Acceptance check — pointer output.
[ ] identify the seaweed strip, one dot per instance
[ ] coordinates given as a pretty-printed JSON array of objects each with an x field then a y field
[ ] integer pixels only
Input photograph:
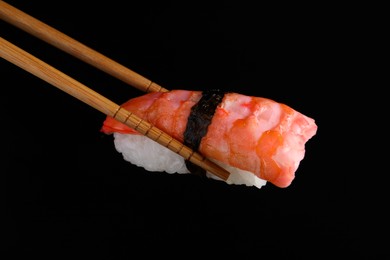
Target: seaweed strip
[{"x": 198, "y": 122}]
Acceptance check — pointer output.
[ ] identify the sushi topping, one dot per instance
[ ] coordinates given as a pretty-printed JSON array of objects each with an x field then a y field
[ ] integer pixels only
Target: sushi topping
[{"x": 198, "y": 121}]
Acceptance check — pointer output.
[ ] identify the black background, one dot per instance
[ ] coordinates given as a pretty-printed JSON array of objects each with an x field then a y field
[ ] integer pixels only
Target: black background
[{"x": 69, "y": 192}]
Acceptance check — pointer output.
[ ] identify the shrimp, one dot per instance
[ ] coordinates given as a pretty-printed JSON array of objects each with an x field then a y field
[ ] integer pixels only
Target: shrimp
[{"x": 254, "y": 134}]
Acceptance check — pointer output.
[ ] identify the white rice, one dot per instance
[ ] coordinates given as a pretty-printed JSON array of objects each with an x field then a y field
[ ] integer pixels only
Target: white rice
[{"x": 144, "y": 152}]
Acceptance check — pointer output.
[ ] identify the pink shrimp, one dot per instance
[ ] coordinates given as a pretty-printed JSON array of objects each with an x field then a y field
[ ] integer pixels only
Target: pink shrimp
[{"x": 250, "y": 133}]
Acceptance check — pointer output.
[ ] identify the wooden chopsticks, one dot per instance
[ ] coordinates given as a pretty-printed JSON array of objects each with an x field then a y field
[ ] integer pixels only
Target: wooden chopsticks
[{"x": 37, "y": 67}]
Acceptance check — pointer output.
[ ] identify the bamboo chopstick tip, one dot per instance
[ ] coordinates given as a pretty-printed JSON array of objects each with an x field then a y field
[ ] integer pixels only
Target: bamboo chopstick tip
[{"x": 215, "y": 169}]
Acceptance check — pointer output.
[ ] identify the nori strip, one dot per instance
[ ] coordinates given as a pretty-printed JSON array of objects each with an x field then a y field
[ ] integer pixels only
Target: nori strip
[{"x": 198, "y": 121}]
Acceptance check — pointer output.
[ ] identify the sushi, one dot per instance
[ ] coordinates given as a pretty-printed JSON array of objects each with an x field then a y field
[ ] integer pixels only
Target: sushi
[{"x": 258, "y": 140}]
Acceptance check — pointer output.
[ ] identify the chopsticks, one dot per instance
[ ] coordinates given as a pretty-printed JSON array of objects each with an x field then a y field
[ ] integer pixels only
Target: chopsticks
[{"x": 46, "y": 72}]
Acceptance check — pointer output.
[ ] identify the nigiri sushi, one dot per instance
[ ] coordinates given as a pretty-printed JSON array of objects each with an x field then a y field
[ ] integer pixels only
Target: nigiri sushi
[{"x": 258, "y": 140}]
